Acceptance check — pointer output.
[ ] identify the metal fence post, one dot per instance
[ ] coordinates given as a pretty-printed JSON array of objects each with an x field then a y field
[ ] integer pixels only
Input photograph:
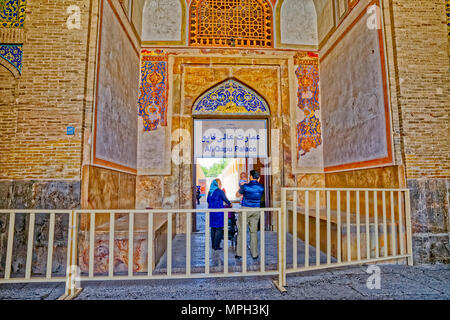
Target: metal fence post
[
  {"x": 71, "y": 290},
  {"x": 408, "y": 228},
  {"x": 283, "y": 240},
  {"x": 69, "y": 282},
  {"x": 281, "y": 229}
]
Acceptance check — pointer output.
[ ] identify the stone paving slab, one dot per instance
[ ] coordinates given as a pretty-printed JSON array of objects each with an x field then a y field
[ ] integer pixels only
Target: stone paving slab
[{"x": 31, "y": 291}]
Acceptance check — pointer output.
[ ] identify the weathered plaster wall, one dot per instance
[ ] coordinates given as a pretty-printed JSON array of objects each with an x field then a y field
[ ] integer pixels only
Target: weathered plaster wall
[
  {"x": 162, "y": 20},
  {"x": 153, "y": 151},
  {"x": 298, "y": 22},
  {"x": 262, "y": 75},
  {"x": 325, "y": 18},
  {"x": 137, "y": 15},
  {"x": 116, "y": 122},
  {"x": 353, "y": 104}
]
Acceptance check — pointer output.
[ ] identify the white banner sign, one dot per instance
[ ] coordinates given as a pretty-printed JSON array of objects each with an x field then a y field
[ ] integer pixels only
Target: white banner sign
[{"x": 230, "y": 139}]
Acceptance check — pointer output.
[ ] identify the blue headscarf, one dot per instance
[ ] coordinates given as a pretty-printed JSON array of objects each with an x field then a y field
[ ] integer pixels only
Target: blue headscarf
[{"x": 214, "y": 186}]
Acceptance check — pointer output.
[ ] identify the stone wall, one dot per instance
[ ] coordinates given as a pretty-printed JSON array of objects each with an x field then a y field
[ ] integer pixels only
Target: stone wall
[
  {"x": 421, "y": 55},
  {"x": 430, "y": 219},
  {"x": 37, "y": 194},
  {"x": 40, "y": 243}
]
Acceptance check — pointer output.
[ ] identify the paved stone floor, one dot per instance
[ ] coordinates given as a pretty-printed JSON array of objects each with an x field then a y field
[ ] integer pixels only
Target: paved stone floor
[
  {"x": 216, "y": 259},
  {"x": 429, "y": 282}
]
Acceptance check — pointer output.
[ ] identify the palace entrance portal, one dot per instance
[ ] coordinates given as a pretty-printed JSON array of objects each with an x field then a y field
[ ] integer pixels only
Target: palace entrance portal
[{"x": 226, "y": 149}]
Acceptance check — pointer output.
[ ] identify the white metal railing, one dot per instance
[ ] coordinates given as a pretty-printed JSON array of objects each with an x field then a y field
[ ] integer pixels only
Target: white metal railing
[
  {"x": 306, "y": 214},
  {"x": 73, "y": 274},
  {"x": 352, "y": 223},
  {"x": 188, "y": 272}
]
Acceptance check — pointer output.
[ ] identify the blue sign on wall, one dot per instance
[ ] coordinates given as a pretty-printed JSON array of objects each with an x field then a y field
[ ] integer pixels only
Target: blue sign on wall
[{"x": 70, "y": 131}]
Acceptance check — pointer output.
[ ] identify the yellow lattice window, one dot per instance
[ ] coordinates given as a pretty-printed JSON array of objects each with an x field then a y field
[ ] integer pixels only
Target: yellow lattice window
[{"x": 230, "y": 23}]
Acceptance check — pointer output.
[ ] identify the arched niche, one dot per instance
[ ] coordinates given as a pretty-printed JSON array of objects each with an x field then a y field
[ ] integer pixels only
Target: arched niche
[
  {"x": 164, "y": 22},
  {"x": 11, "y": 58},
  {"x": 9, "y": 89},
  {"x": 291, "y": 17},
  {"x": 325, "y": 18},
  {"x": 10, "y": 67},
  {"x": 297, "y": 21}
]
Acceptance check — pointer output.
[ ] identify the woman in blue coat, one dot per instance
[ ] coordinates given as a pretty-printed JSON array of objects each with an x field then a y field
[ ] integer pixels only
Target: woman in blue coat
[{"x": 216, "y": 198}]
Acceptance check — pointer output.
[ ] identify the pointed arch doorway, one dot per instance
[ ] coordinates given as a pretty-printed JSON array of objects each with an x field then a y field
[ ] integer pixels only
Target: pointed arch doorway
[{"x": 231, "y": 127}]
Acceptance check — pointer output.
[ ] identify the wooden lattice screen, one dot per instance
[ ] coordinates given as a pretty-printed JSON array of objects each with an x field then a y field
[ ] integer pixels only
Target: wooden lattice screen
[{"x": 230, "y": 23}]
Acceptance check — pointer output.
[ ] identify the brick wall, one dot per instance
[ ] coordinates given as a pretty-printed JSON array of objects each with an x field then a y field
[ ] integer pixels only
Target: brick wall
[
  {"x": 48, "y": 96},
  {"x": 422, "y": 56}
]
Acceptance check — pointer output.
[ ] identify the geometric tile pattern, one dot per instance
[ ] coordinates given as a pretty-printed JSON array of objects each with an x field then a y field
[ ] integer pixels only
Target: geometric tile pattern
[
  {"x": 154, "y": 88},
  {"x": 309, "y": 133},
  {"x": 13, "y": 54},
  {"x": 447, "y": 6},
  {"x": 230, "y": 23},
  {"x": 232, "y": 98},
  {"x": 12, "y": 13}
]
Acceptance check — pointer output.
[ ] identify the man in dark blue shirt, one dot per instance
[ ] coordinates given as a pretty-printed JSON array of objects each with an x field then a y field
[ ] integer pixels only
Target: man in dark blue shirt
[{"x": 252, "y": 192}]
